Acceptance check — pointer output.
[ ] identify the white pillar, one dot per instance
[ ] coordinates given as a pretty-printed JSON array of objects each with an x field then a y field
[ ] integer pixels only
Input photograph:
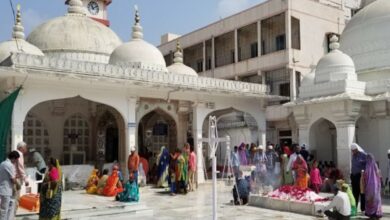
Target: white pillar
[
  {"x": 204, "y": 57},
  {"x": 132, "y": 124},
  {"x": 17, "y": 130},
  {"x": 293, "y": 84},
  {"x": 199, "y": 115},
  {"x": 259, "y": 39},
  {"x": 288, "y": 25},
  {"x": 304, "y": 132},
  {"x": 345, "y": 135},
  {"x": 235, "y": 46}
]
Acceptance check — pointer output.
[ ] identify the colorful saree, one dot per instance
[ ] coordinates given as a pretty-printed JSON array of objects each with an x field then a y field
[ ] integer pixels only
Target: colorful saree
[
  {"x": 163, "y": 168},
  {"x": 130, "y": 193},
  {"x": 372, "y": 189},
  {"x": 93, "y": 180},
  {"x": 51, "y": 194},
  {"x": 113, "y": 186},
  {"x": 302, "y": 177}
]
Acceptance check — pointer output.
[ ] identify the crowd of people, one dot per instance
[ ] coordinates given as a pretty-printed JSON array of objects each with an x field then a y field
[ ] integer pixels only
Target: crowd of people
[{"x": 294, "y": 165}]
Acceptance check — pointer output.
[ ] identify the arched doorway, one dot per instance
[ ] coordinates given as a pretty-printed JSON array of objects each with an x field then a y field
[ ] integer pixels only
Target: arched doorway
[
  {"x": 323, "y": 141},
  {"x": 240, "y": 126},
  {"x": 156, "y": 129},
  {"x": 73, "y": 125}
]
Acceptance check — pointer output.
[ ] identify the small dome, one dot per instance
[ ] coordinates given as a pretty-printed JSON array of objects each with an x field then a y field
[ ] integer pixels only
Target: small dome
[
  {"x": 75, "y": 36},
  {"x": 308, "y": 79},
  {"x": 366, "y": 37},
  {"x": 335, "y": 65},
  {"x": 137, "y": 51},
  {"x": 178, "y": 66},
  {"x": 17, "y": 44}
]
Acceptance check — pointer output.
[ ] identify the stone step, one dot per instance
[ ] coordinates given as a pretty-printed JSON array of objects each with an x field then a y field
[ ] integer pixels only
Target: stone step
[{"x": 92, "y": 213}]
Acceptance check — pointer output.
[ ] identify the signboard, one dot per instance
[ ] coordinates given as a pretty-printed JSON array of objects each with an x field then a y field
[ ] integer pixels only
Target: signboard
[{"x": 131, "y": 125}]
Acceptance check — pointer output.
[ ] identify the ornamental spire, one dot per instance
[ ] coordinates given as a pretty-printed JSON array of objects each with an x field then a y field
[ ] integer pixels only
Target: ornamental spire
[
  {"x": 178, "y": 56},
  {"x": 76, "y": 7},
  {"x": 18, "y": 30},
  {"x": 137, "y": 28},
  {"x": 334, "y": 43}
]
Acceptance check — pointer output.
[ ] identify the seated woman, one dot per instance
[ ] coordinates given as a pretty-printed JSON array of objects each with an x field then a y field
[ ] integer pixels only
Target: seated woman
[
  {"x": 102, "y": 182},
  {"x": 130, "y": 193},
  {"x": 92, "y": 183},
  {"x": 113, "y": 185}
]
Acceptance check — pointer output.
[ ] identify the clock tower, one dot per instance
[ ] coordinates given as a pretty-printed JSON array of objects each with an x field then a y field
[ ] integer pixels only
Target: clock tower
[{"x": 97, "y": 10}]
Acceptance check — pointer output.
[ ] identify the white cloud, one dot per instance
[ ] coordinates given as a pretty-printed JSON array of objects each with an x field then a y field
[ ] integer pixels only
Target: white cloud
[
  {"x": 229, "y": 7},
  {"x": 31, "y": 19}
]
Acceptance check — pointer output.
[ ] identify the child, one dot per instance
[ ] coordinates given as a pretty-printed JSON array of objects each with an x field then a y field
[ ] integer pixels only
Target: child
[
  {"x": 173, "y": 181},
  {"x": 315, "y": 178}
]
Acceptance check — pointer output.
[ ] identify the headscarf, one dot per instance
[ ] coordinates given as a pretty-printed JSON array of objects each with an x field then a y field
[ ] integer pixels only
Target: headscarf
[
  {"x": 300, "y": 163},
  {"x": 242, "y": 154},
  {"x": 372, "y": 188},
  {"x": 355, "y": 146}
]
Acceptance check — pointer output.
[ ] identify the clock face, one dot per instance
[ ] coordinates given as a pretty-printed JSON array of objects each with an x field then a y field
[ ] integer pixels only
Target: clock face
[{"x": 93, "y": 8}]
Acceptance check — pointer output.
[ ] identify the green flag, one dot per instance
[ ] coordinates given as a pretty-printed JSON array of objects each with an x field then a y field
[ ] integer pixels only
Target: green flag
[{"x": 6, "y": 109}]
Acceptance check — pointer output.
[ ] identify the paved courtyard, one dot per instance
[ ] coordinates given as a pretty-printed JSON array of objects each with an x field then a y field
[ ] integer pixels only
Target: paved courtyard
[{"x": 158, "y": 204}]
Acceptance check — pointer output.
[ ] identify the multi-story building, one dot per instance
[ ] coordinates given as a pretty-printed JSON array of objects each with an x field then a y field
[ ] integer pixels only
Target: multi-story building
[{"x": 274, "y": 43}]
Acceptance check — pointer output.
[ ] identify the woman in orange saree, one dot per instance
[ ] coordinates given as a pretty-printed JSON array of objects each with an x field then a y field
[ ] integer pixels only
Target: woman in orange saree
[
  {"x": 300, "y": 168},
  {"x": 113, "y": 185}
]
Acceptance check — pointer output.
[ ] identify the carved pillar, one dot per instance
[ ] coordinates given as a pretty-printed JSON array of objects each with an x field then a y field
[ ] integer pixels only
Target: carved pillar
[{"x": 345, "y": 136}]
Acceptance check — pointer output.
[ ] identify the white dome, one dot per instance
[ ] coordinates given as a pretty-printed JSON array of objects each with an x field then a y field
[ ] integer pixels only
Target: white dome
[
  {"x": 138, "y": 52},
  {"x": 17, "y": 44},
  {"x": 366, "y": 37},
  {"x": 75, "y": 36},
  {"x": 178, "y": 66},
  {"x": 335, "y": 65}
]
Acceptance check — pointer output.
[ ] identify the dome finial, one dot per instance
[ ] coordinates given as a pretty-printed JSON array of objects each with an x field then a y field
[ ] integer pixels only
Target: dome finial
[
  {"x": 76, "y": 7},
  {"x": 137, "y": 28},
  {"x": 18, "y": 30},
  {"x": 334, "y": 43},
  {"x": 178, "y": 54}
]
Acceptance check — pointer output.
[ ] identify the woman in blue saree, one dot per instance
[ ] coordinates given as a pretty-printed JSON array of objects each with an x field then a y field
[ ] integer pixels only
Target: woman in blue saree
[{"x": 163, "y": 167}]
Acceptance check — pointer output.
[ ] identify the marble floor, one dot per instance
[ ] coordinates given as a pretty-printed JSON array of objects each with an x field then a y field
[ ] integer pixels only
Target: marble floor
[{"x": 159, "y": 204}]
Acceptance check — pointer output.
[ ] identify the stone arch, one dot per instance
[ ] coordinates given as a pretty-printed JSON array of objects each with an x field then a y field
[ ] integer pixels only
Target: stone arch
[
  {"x": 323, "y": 140},
  {"x": 239, "y": 125},
  {"x": 155, "y": 129},
  {"x": 84, "y": 135}
]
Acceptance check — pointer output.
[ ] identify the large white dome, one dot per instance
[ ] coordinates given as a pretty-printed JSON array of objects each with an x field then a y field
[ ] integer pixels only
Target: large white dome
[
  {"x": 366, "y": 37},
  {"x": 335, "y": 65},
  {"x": 138, "y": 52},
  {"x": 75, "y": 36}
]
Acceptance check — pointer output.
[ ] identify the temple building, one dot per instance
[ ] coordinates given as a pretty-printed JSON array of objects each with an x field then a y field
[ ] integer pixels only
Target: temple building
[{"x": 88, "y": 97}]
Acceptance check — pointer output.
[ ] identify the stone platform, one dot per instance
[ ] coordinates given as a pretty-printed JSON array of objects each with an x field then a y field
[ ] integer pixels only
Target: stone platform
[{"x": 305, "y": 208}]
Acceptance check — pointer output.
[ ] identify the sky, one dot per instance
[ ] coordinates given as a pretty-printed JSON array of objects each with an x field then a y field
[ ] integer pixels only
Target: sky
[{"x": 157, "y": 16}]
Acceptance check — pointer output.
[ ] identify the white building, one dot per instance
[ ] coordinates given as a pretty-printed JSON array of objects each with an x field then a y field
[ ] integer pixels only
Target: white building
[
  {"x": 88, "y": 97},
  {"x": 273, "y": 43},
  {"x": 347, "y": 98}
]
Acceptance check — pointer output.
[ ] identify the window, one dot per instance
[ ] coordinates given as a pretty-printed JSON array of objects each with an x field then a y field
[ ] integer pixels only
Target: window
[
  {"x": 199, "y": 66},
  {"x": 295, "y": 34},
  {"x": 36, "y": 135},
  {"x": 208, "y": 63},
  {"x": 297, "y": 81},
  {"x": 254, "y": 50},
  {"x": 279, "y": 82},
  {"x": 76, "y": 132},
  {"x": 281, "y": 42}
]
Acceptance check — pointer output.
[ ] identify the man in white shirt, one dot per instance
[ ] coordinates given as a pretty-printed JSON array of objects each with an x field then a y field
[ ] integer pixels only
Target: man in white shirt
[
  {"x": 340, "y": 206},
  {"x": 7, "y": 181},
  {"x": 39, "y": 163}
]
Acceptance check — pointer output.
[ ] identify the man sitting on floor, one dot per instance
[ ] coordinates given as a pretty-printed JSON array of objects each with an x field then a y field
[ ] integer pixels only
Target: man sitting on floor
[{"x": 340, "y": 206}]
